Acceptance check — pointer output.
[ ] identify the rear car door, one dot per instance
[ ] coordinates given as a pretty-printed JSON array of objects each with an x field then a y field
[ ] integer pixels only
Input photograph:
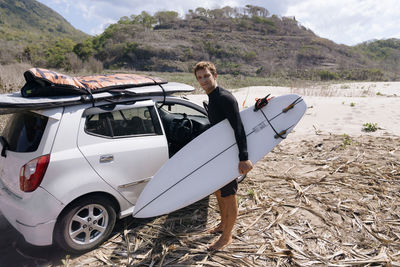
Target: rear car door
[{"x": 124, "y": 144}]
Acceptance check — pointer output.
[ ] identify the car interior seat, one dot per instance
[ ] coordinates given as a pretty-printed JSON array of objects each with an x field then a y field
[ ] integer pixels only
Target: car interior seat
[{"x": 137, "y": 125}]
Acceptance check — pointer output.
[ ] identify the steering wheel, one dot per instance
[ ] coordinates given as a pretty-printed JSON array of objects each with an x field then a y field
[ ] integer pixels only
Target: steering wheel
[{"x": 184, "y": 130}]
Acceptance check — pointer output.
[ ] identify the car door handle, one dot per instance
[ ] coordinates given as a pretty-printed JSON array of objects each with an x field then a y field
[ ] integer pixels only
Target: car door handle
[{"x": 106, "y": 158}]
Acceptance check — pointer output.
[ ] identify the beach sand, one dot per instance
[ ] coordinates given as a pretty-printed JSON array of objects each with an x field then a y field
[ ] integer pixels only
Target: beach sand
[
  {"x": 327, "y": 195},
  {"x": 336, "y": 108}
]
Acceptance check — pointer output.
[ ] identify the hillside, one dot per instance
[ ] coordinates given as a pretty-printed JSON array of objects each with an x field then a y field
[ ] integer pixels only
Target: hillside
[
  {"x": 384, "y": 52},
  {"x": 240, "y": 43},
  {"x": 24, "y": 22}
]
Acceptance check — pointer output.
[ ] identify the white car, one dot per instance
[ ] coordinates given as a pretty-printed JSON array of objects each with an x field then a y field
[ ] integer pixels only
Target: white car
[{"x": 68, "y": 173}]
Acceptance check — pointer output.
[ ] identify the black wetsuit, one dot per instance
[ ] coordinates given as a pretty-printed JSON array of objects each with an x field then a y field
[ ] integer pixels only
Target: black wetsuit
[{"x": 223, "y": 105}]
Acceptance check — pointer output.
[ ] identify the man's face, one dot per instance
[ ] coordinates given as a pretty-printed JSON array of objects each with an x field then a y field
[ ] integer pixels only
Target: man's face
[{"x": 207, "y": 80}]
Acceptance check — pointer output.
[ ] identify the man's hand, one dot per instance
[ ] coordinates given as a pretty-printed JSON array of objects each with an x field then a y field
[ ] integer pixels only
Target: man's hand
[{"x": 245, "y": 166}]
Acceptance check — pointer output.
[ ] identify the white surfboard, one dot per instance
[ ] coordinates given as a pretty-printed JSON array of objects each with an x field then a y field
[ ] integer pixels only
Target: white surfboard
[{"x": 210, "y": 161}]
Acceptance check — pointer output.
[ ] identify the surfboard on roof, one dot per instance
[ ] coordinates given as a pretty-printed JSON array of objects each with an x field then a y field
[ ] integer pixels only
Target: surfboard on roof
[{"x": 46, "y": 89}]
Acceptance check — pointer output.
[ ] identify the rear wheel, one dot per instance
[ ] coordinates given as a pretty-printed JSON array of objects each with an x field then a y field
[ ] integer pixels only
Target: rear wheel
[{"x": 85, "y": 224}]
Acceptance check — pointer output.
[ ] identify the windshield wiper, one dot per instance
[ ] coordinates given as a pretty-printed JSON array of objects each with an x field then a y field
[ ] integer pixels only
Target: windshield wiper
[{"x": 5, "y": 146}]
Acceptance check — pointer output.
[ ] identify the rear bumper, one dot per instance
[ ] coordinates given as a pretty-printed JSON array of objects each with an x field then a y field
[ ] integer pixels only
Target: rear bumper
[
  {"x": 34, "y": 216},
  {"x": 38, "y": 235}
]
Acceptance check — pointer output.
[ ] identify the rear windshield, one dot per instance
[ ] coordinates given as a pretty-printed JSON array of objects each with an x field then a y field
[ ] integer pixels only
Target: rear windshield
[{"x": 24, "y": 131}]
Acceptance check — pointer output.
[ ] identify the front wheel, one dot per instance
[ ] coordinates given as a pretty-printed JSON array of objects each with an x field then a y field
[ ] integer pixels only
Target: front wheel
[{"x": 85, "y": 224}]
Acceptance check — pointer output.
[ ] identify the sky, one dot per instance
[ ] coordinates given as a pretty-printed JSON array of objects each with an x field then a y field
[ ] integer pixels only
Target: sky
[{"x": 348, "y": 22}]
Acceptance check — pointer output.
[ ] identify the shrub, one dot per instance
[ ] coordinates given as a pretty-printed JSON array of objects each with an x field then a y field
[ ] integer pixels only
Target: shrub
[
  {"x": 250, "y": 56},
  {"x": 370, "y": 127},
  {"x": 267, "y": 21},
  {"x": 74, "y": 63},
  {"x": 93, "y": 65},
  {"x": 363, "y": 74},
  {"x": 326, "y": 75},
  {"x": 346, "y": 141},
  {"x": 251, "y": 193}
]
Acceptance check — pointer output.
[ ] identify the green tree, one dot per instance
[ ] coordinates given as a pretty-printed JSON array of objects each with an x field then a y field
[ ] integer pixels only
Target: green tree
[
  {"x": 166, "y": 17},
  {"x": 257, "y": 11},
  {"x": 84, "y": 50},
  {"x": 146, "y": 19},
  {"x": 216, "y": 13},
  {"x": 124, "y": 20},
  {"x": 56, "y": 54},
  {"x": 34, "y": 53},
  {"x": 229, "y": 12},
  {"x": 201, "y": 11}
]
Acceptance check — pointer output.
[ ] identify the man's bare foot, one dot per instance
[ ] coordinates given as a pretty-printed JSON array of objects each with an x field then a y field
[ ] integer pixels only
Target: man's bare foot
[
  {"x": 220, "y": 244},
  {"x": 216, "y": 230}
]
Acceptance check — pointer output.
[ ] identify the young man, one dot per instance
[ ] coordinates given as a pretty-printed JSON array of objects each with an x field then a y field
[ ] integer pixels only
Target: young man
[{"x": 223, "y": 105}]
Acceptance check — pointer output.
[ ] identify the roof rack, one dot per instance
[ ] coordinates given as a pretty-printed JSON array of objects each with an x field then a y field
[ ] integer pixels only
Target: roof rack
[{"x": 48, "y": 89}]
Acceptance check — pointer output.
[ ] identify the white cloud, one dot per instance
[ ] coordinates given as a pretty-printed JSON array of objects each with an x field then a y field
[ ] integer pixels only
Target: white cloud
[{"x": 349, "y": 21}]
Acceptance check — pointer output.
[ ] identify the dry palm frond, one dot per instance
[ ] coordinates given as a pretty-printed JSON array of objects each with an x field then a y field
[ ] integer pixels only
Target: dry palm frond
[{"x": 314, "y": 202}]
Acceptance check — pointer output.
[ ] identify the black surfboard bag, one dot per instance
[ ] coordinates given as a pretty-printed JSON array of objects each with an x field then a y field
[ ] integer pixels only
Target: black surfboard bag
[{"x": 43, "y": 82}]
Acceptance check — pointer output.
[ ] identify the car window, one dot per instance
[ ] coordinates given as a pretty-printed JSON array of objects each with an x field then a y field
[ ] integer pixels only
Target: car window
[
  {"x": 176, "y": 108},
  {"x": 24, "y": 131},
  {"x": 126, "y": 122}
]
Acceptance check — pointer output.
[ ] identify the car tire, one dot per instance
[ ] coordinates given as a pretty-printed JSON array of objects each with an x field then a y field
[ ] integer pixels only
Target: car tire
[{"x": 85, "y": 224}]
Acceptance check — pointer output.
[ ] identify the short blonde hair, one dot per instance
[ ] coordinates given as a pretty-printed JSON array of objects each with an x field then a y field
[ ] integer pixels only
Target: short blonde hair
[{"x": 203, "y": 65}]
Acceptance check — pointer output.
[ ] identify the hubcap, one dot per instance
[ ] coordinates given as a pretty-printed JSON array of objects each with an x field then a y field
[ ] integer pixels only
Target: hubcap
[{"x": 88, "y": 224}]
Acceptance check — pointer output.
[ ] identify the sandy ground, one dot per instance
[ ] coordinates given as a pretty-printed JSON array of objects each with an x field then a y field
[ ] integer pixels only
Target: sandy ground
[
  {"x": 318, "y": 149},
  {"x": 336, "y": 109}
]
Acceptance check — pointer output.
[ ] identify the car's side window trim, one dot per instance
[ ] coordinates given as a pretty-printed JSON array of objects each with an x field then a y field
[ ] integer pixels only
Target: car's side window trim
[
  {"x": 169, "y": 103},
  {"x": 120, "y": 106}
]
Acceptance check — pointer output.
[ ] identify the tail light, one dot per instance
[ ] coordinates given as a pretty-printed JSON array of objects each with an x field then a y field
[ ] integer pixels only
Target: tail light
[{"x": 32, "y": 173}]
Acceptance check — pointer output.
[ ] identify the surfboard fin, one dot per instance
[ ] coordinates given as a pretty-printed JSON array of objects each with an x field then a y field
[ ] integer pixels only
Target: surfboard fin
[
  {"x": 261, "y": 102},
  {"x": 291, "y": 105},
  {"x": 288, "y": 108},
  {"x": 281, "y": 134}
]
